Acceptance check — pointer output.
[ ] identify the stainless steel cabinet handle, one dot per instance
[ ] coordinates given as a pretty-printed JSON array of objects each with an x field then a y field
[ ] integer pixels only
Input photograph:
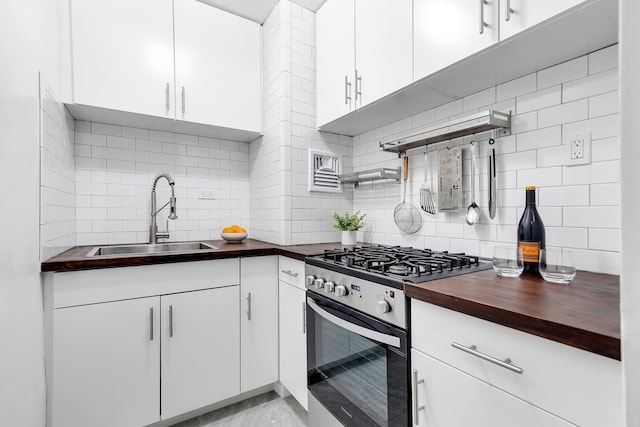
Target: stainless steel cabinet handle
[
  {"x": 290, "y": 273},
  {"x": 347, "y": 90},
  {"x": 416, "y": 409},
  {"x": 167, "y": 103},
  {"x": 358, "y": 86},
  {"x": 183, "y": 96},
  {"x": 304, "y": 317},
  {"x": 249, "y": 306},
  {"x": 508, "y": 11},
  {"x": 506, "y": 363},
  {"x": 150, "y": 323},
  {"x": 170, "y": 321},
  {"x": 482, "y": 23}
]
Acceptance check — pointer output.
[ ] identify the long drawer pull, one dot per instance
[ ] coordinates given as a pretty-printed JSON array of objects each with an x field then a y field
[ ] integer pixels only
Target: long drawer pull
[
  {"x": 304, "y": 317},
  {"x": 150, "y": 323},
  {"x": 416, "y": 408},
  {"x": 290, "y": 273},
  {"x": 506, "y": 363}
]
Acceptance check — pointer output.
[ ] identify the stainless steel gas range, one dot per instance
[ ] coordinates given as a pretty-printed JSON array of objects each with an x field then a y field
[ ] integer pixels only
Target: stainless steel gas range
[{"x": 357, "y": 330}]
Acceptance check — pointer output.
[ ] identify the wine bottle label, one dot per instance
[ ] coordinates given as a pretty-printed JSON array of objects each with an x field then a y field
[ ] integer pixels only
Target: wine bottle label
[{"x": 530, "y": 251}]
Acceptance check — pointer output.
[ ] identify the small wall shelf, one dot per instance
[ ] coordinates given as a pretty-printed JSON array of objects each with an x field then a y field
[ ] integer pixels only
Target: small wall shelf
[
  {"x": 468, "y": 125},
  {"x": 371, "y": 175}
]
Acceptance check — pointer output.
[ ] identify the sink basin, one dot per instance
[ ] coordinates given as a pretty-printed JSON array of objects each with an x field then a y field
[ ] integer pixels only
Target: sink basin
[{"x": 158, "y": 248}]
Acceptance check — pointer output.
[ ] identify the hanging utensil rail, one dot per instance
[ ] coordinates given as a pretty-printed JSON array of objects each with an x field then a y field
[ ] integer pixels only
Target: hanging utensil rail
[{"x": 468, "y": 125}]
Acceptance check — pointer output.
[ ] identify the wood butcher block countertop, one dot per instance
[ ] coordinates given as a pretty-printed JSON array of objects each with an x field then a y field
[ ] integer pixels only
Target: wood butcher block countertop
[{"x": 584, "y": 314}]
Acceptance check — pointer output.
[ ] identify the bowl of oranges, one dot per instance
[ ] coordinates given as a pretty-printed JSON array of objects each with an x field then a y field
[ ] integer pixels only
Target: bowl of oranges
[{"x": 234, "y": 234}]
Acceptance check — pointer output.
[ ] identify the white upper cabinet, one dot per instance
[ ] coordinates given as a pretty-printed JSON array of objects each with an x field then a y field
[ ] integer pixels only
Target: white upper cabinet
[
  {"x": 446, "y": 31},
  {"x": 518, "y": 15},
  {"x": 177, "y": 65},
  {"x": 218, "y": 67},
  {"x": 383, "y": 48},
  {"x": 335, "y": 59},
  {"x": 123, "y": 55},
  {"x": 364, "y": 53}
]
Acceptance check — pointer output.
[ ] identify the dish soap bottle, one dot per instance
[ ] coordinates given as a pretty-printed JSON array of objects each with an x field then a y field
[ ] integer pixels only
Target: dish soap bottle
[{"x": 531, "y": 235}]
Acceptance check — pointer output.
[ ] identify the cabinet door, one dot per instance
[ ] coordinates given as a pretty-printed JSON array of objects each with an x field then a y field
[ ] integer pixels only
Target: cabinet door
[
  {"x": 448, "y": 397},
  {"x": 200, "y": 349},
  {"x": 123, "y": 55},
  {"x": 335, "y": 32},
  {"x": 218, "y": 67},
  {"x": 293, "y": 341},
  {"x": 518, "y": 15},
  {"x": 259, "y": 324},
  {"x": 446, "y": 31},
  {"x": 383, "y": 57},
  {"x": 106, "y": 364}
]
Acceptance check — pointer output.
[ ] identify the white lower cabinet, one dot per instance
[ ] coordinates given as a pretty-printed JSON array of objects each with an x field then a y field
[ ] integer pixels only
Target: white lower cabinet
[
  {"x": 200, "y": 335},
  {"x": 447, "y": 397},
  {"x": 293, "y": 329},
  {"x": 137, "y": 345},
  {"x": 259, "y": 324},
  {"x": 494, "y": 371},
  {"x": 106, "y": 369}
]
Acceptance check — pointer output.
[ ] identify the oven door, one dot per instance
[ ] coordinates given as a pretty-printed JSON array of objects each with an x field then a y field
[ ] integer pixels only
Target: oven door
[{"x": 357, "y": 365}]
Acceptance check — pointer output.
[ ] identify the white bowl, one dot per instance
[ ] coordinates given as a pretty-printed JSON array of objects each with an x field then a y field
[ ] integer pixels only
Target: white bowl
[{"x": 233, "y": 237}]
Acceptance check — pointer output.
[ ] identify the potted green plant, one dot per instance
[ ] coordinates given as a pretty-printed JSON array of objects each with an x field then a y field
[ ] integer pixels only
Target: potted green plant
[{"x": 349, "y": 224}]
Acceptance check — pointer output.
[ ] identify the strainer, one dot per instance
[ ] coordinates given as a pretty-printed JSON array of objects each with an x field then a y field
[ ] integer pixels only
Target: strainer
[{"x": 406, "y": 216}]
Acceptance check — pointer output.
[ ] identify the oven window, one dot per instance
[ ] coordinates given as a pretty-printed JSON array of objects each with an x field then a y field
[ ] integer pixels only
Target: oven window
[
  {"x": 360, "y": 381},
  {"x": 355, "y": 367}
]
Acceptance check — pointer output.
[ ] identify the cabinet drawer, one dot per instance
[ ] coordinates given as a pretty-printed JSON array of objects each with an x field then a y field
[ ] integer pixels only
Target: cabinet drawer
[
  {"x": 291, "y": 271},
  {"x": 579, "y": 386}
]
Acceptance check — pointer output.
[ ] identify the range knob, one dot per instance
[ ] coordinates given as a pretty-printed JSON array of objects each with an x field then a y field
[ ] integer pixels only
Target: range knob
[
  {"x": 341, "y": 291},
  {"x": 318, "y": 283},
  {"x": 310, "y": 279},
  {"x": 329, "y": 286},
  {"x": 382, "y": 307}
]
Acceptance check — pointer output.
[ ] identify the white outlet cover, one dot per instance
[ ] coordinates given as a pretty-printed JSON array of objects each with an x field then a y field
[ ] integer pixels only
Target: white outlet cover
[
  {"x": 569, "y": 138},
  {"x": 206, "y": 193}
]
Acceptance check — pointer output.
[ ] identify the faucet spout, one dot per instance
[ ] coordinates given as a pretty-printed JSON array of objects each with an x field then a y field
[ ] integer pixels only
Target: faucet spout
[{"x": 153, "y": 231}]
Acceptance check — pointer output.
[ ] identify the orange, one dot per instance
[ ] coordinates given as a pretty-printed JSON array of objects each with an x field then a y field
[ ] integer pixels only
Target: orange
[{"x": 227, "y": 230}]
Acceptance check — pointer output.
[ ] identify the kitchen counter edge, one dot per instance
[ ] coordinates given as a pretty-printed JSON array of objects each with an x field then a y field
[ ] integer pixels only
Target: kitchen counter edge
[{"x": 584, "y": 314}]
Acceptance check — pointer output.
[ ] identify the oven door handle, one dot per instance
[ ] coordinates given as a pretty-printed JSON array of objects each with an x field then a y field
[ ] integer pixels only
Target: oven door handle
[{"x": 356, "y": 329}]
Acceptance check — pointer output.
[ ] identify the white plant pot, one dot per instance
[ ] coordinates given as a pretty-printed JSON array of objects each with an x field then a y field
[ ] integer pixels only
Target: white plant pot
[{"x": 349, "y": 237}]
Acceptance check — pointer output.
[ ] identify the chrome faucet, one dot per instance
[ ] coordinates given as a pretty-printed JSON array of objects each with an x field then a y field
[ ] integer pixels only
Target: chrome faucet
[{"x": 154, "y": 235}]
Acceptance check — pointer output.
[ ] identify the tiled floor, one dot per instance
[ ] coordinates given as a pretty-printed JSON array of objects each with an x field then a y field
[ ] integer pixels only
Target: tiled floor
[{"x": 266, "y": 410}]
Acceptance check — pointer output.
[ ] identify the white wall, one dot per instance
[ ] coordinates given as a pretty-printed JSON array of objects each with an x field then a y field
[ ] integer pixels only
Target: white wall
[
  {"x": 57, "y": 176},
  {"x": 282, "y": 209},
  {"x": 115, "y": 168},
  {"x": 630, "y": 153},
  {"x": 30, "y": 41},
  {"x": 579, "y": 205}
]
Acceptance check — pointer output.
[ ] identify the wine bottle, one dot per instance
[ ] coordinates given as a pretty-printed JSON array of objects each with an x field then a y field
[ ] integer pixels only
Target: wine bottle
[{"x": 531, "y": 236}]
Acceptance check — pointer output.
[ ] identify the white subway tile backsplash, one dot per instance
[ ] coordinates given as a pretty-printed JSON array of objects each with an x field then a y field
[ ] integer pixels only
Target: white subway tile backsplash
[
  {"x": 595, "y": 84},
  {"x": 120, "y": 142},
  {"x": 564, "y": 113},
  {"x": 603, "y": 105},
  {"x": 479, "y": 99},
  {"x": 592, "y": 216},
  {"x": 135, "y": 133},
  {"x": 567, "y": 237},
  {"x": 541, "y": 138},
  {"x": 517, "y": 87},
  {"x": 540, "y": 99},
  {"x": 605, "y": 194},
  {"x": 604, "y": 239},
  {"x": 594, "y": 173},
  {"x": 574, "y": 195},
  {"x": 603, "y": 59},
  {"x": 83, "y": 138},
  {"x": 564, "y": 72},
  {"x": 524, "y": 122},
  {"x": 105, "y": 129},
  {"x": 545, "y": 177}
]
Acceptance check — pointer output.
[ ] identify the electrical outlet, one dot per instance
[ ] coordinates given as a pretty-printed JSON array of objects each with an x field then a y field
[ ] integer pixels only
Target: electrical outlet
[
  {"x": 207, "y": 194},
  {"x": 578, "y": 147}
]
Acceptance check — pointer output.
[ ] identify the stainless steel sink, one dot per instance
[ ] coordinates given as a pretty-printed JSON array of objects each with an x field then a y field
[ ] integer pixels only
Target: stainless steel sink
[{"x": 186, "y": 247}]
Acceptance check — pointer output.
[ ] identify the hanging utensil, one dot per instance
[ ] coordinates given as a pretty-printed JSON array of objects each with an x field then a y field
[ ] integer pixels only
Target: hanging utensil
[
  {"x": 473, "y": 211},
  {"x": 405, "y": 215},
  {"x": 426, "y": 198},
  {"x": 492, "y": 182}
]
